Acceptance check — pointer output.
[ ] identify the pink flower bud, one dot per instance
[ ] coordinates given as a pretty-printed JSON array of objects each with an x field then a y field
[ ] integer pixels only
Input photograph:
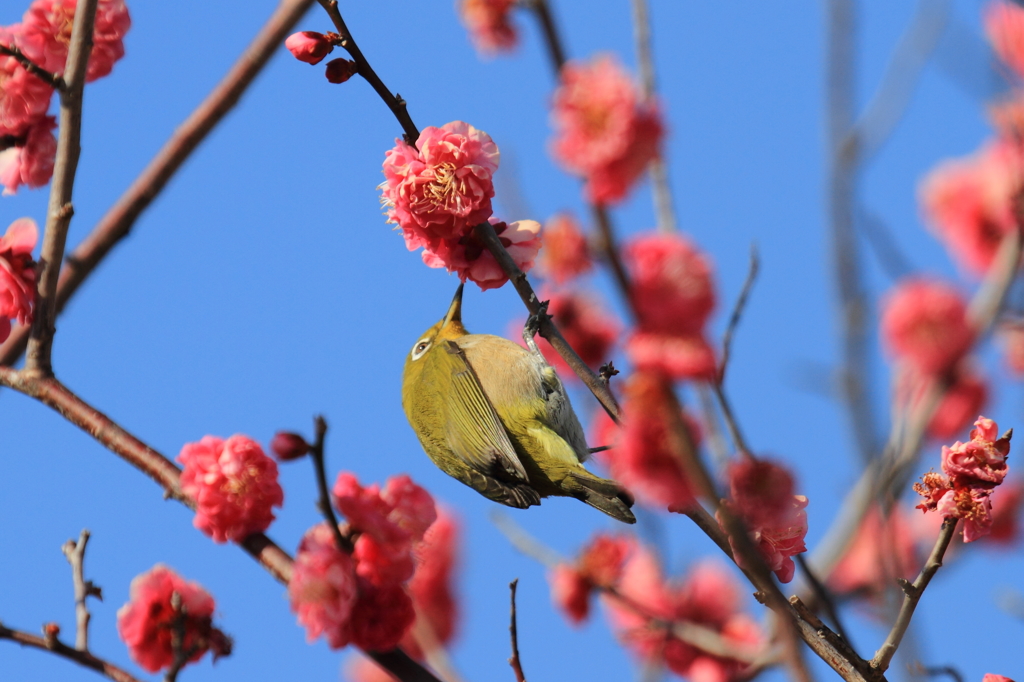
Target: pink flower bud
[
  {"x": 340, "y": 70},
  {"x": 287, "y": 446},
  {"x": 309, "y": 46}
]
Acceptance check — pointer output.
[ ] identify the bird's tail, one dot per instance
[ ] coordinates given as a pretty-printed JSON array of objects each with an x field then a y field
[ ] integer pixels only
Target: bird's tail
[{"x": 600, "y": 493}]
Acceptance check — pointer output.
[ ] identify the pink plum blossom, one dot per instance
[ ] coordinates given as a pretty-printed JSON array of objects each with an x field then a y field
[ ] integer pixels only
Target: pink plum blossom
[
  {"x": 323, "y": 588},
  {"x": 965, "y": 398},
  {"x": 432, "y": 588},
  {"x": 24, "y": 97},
  {"x": 489, "y": 23},
  {"x": 145, "y": 623},
  {"x": 565, "y": 254},
  {"x": 604, "y": 132},
  {"x": 381, "y": 616},
  {"x": 233, "y": 485},
  {"x": 17, "y": 274},
  {"x": 30, "y": 163},
  {"x": 599, "y": 565},
  {"x": 924, "y": 322},
  {"x": 46, "y": 35},
  {"x": 1004, "y": 24},
  {"x": 471, "y": 260},
  {"x": 882, "y": 550},
  {"x": 969, "y": 202}
]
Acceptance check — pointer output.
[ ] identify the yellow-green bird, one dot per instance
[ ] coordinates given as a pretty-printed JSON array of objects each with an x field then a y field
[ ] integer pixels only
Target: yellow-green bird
[{"x": 495, "y": 416}]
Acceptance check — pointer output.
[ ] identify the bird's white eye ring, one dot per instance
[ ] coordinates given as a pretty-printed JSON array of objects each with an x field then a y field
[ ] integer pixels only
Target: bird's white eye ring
[{"x": 421, "y": 347}]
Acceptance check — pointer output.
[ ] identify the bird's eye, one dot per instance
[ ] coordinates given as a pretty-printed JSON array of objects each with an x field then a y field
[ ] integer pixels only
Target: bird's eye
[{"x": 420, "y": 348}]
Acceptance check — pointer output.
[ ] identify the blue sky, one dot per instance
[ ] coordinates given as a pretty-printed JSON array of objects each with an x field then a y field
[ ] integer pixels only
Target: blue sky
[{"x": 263, "y": 287}]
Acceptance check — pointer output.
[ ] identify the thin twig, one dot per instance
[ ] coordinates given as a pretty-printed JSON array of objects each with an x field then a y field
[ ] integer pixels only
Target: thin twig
[
  {"x": 610, "y": 251},
  {"x": 825, "y": 597},
  {"x": 119, "y": 219},
  {"x": 82, "y": 658},
  {"x": 552, "y": 39},
  {"x": 60, "y": 209},
  {"x": 316, "y": 453},
  {"x": 513, "y": 632},
  {"x": 394, "y": 101},
  {"x": 657, "y": 168},
  {"x": 52, "y": 79},
  {"x": 75, "y": 554},
  {"x": 737, "y": 310},
  {"x": 912, "y": 595},
  {"x": 920, "y": 670}
]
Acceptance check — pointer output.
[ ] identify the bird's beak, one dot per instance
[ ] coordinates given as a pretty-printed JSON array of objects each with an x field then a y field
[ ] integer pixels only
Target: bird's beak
[{"x": 454, "y": 313}]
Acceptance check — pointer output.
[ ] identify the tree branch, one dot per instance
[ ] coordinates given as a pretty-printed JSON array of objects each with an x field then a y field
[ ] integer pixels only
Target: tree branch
[
  {"x": 82, "y": 658},
  {"x": 513, "y": 632},
  {"x": 118, "y": 221},
  {"x": 912, "y": 595},
  {"x": 60, "y": 209},
  {"x": 316, "y": 453},
  {"x": 75, "y": 554},
  {"x": 55, "y": 81}
]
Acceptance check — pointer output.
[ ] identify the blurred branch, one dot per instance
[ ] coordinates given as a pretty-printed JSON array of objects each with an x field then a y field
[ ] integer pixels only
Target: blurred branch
[
  {"x": 912, "y": 595},
  {"x": 54, "y": 646},
  {"x": 657, "y": 168},
  {"x": 60, "y": 209},
  {"x": 920, "y": 670},
  {"x": 737, "y": 311},
  {"x": 556, "y": 51},
  {"x": 513, "y": 632},
  {"x": 75, "y": 554},
  {"x": 55, "y": 81},
  {"x": 824, "y": 597},
  {"x": 880, "y": 238},
  {"x": 119, "y": 219},
  {"x": 889, "y": 102}
]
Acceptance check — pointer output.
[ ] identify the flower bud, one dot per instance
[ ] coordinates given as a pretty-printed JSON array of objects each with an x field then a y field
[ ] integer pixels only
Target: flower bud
[
  {"x": 51, "y": 630},
  {"x": 287, "y": 446},
  {"x": 309, "y": 46},
  {"x": 340, "y": 70}
]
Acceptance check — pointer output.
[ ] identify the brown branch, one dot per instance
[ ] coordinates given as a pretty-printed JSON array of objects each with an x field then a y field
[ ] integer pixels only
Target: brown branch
[
  {"x": 316, "y": 453},
  {"x": 513, "y": 632},
  {"x": 60, "y": 209},
  {"x": 52, "y": 79},
  {"x": 912, "y": 595},
  {"x": 552, "y": 39},
  {"x": 82, "y": 658},
  {"x": 119, "y": 219},
  {"x": 394, "y": 101},
  {"x": 75, "y": 554}
]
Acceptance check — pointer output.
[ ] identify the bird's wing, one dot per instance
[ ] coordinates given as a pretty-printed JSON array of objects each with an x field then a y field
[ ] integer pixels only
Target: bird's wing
[{"x": 474, "y": 431}]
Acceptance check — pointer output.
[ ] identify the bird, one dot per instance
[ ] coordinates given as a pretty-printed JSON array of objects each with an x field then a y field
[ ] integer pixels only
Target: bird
[{"x": 495, "y": 416}]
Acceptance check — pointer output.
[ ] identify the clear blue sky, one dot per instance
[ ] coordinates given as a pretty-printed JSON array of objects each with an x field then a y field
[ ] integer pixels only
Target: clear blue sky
[{"x": 264, "y": 287}]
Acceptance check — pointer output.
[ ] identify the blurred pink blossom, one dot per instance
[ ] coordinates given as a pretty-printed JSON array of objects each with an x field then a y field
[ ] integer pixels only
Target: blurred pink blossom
[
  {"x": 30, "y": 163},
  {"x": 489, "y": 23},
  {"x": 565, "y": 254},
  {"x": 381, "y": 616},
  {"x": 1004, "y": 24},
  {"x": 604, "y": 132},
  {"x": 17, "y": 274},
  {"x": 323, "y": 589},
  {"x": 924, "y": 322},
  {"x": 433, "y": 587}
]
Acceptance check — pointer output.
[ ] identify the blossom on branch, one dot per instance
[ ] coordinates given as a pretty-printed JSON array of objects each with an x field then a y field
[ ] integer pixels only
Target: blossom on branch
[
  {"x": 24, "y": 97},
  {"x": 599, "y": 565},
  {"x": 233, "y": 485},
  {"x": 604, "y": 131},
  {"x": 470, "y": 259},
  {"x": 46, "y": 35},
  {"x": 489, "y": 23},
  {"x": 17, "y": 274},
  {"x": 309, "y": 46},
  {"x": 323, "y": 588},
  {"x": 674, "y": 296},
  {"x": 924, "y": 322},
  {"x": 969, "y": 202},
  {"x": 972, "y": 470},
  {"x": 30, "y": 163},
  {"x": 432, "y": 588},
  {"x": 152, "y": 619}
]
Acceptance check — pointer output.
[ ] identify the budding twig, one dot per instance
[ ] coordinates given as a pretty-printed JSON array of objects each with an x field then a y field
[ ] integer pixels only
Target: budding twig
[
  {"x": 316, "y": 453},
  {"x": 912, "y": 595},
  {"x": 513, "y": 631},
  {"x": 54, "y": 646},
  {"x": 75, "y": 554}
]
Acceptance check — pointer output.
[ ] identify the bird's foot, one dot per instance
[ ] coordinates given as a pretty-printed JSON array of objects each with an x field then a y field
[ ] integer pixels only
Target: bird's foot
[{"x": 532, "y": 326}]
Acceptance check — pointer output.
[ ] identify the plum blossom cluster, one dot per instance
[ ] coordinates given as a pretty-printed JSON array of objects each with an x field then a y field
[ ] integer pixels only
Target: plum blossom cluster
[
  {"x": 649, "y": 612},
  {"x": 361, "y": 598},
  {"x": 438, "y": 190},
  {"x": 27, "y": 143},
  {"x": 164, "y": 606},
  {"x": 925, "y": 325},
  {"x": 17, "y": 274},
  {"x": 761, "y": 493},
  {"x": 233, "y": 485},
  {"x": 489, "y": 23},
  {"x": 674, "y": 296},
  {"x": 604, "y": 131},
  {"x": 641, "y": 456},
  {"x": 972, "y": 471}
]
